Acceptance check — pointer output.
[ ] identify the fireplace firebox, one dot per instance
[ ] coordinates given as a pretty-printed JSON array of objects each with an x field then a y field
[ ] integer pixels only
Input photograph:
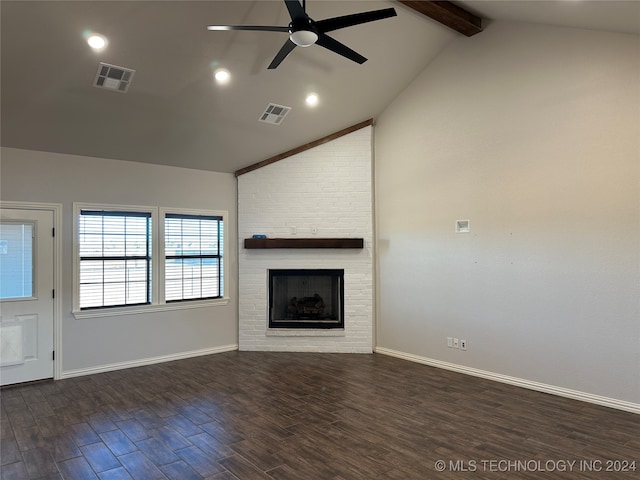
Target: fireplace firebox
[{"x": 306, "y": 298}]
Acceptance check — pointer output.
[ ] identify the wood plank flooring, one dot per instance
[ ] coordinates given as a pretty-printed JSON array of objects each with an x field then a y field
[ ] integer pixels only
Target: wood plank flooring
[{"x": 286, "y": 416}]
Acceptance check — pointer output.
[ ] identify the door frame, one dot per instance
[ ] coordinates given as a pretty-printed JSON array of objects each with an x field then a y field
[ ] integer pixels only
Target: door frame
[{"x": 56, "y": 210}]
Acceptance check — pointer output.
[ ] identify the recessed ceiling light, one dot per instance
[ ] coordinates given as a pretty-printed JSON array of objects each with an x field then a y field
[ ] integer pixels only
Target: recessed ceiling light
[
  {"x": 312, "y": 99},
  {"x": 222, "y": 75},
  {"x": 97, "y": 42}
]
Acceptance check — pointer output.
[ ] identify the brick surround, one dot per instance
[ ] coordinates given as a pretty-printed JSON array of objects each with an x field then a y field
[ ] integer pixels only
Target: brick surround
[{"x": 327, "y": 189}]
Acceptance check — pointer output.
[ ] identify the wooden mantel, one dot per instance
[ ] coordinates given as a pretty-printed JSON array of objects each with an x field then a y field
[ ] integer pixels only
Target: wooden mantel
[{"x": 262, "y": 243}]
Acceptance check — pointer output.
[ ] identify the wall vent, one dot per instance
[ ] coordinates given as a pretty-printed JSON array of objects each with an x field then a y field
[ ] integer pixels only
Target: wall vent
[
  {"x": 113, "y": 77},
  {"x": 274, "y": 114}
]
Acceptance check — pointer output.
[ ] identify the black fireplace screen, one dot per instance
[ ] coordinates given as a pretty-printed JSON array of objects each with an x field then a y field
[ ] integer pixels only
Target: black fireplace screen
[{"x": 306, "y": 298}]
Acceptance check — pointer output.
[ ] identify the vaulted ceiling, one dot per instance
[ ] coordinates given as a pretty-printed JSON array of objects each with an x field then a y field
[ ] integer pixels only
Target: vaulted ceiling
[{"x": 174, "y": 113}]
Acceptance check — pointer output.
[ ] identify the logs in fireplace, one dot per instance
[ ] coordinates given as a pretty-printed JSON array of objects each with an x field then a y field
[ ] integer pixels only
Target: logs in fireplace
[
  {"x": 306, "y": 307},
  {"x": 306, "y": 298}
]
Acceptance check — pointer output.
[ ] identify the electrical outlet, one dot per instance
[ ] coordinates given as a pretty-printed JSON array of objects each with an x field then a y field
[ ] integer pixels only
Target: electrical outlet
[
  {"x": 450, "y": 342},
  {"x": 463, "y": 344},
  {"x": 456, "y": 343},
  {"x": 314, "y": 229}
]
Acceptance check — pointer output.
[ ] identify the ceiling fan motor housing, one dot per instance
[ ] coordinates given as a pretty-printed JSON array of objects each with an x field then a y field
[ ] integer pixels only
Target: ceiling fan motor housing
[{"x": 303, "y": 32}]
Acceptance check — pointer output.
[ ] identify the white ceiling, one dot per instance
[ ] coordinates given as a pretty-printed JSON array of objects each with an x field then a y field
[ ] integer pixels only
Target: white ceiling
[{"x": 175, "y": 114}]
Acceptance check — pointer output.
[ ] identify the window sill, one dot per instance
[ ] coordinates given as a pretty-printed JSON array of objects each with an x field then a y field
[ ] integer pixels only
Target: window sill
[{"x": 138, "y": 309}]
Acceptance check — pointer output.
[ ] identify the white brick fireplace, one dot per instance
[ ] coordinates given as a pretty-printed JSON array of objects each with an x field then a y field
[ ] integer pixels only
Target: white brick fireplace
[{"x": 324, "y": 192}]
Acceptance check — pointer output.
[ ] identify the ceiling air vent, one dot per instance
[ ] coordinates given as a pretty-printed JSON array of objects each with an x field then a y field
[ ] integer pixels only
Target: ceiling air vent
[
  {"x": 274, "y": 114},
  {"x": 113, "y": 78}
]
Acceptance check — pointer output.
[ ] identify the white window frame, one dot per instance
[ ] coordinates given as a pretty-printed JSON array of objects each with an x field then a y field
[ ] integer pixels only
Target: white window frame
[
  {"x": 161, "y": 241},
  {"x": 157, "y": 262}
]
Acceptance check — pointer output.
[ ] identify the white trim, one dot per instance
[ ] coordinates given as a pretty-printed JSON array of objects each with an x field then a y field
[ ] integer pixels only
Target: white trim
[
  {"x": 56, "y": 209},
  {"x": 158, "y": 303},
  {"x": 77, "y": 208},
  {"x": 519, "y": 382},
  {"x": 159, "y": 307},
  {"x": 147, "y": 361},
  {"x": 225, "y": 253}
]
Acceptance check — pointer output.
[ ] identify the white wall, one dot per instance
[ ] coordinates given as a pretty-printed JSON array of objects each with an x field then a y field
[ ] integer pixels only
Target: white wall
[
  {"x": 328, "y": 187},
  {"x": 92, "y": 344},
  {"x": 532, "y": 133}
]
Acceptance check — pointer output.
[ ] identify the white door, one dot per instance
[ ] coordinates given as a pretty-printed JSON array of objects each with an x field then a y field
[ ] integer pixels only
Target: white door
[{"x": 26, "y": 295}]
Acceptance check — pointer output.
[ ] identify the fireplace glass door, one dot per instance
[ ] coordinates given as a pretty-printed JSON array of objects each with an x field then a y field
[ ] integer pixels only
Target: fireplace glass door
[{"x": 306, "y": 298}]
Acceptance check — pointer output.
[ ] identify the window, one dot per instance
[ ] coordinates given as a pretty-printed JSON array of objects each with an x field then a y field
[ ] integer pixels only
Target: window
[
  {"x": 115, "y": 258},
  {"x": 127, "y": 261},
  {"x": 193, "y": 262},
  {"x": 16, "y": 260}
]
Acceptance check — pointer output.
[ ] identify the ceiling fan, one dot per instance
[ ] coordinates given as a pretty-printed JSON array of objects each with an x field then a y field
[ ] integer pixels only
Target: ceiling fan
[{"x": 304, "y": 31}]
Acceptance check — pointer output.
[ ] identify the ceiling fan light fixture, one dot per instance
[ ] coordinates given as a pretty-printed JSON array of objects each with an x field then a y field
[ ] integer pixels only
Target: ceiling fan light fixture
[{"x": 304, "y": 38}]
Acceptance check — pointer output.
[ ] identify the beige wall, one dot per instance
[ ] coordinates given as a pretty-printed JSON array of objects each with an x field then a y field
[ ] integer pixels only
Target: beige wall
[
  {"x": 532, "y": 133},
  {"x": 93, "y": 343}
]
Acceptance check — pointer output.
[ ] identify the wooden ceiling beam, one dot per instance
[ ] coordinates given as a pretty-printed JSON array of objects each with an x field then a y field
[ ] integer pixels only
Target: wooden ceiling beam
[
  {"x": 448, "y": 14},
  {"x": 302, "y": 148}
]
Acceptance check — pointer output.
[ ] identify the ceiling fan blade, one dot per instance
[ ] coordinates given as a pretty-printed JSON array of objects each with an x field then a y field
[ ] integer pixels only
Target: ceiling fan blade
[
  {"x": 295, "y": 9},
  {"x": 261, "y": 28},
  {"x": 336, "y": 23},
  {"x": 339, "y": 48},
  {"x": 284, "y": 51}
]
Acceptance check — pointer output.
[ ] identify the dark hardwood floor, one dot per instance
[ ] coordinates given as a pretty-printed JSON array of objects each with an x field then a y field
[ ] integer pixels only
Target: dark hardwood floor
[{"x": 250, "y": 415}]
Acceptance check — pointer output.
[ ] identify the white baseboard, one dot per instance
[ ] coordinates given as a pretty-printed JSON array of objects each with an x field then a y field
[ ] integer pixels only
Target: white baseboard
[
  {"x": 520, "y": 382},
  {"x": 146, "y": 361}
]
